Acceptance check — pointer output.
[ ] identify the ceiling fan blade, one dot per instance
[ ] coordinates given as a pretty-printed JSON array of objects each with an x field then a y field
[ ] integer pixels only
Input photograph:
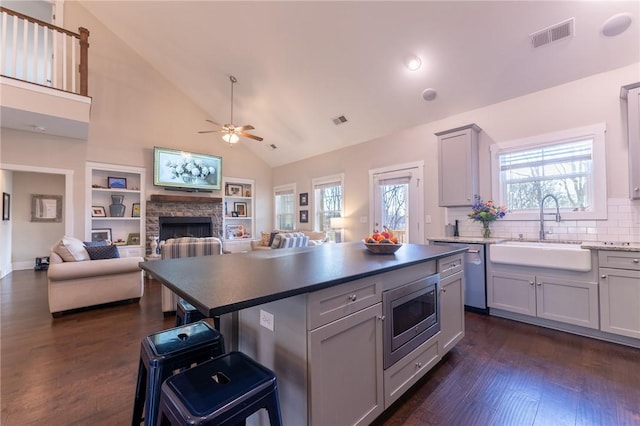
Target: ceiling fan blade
[
  {"x": 214, "y": 123},
  {"x": 247, "y": 135},
  {"x": 245, "y": 127},
  {"x": 208, "y": 131}
]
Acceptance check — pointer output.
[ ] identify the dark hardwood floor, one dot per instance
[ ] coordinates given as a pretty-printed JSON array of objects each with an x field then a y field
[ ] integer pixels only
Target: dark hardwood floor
[{"x": 81, "y": 369}]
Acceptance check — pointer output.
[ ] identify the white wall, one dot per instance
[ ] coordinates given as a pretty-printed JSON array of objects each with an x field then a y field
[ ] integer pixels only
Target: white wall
[
  {"x": 6, "y": 185},
  {"x": 583, "y": 102}
]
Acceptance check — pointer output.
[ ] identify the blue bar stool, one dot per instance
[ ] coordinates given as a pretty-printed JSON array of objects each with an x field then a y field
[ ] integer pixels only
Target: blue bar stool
[
  {"x": 223, "y": 391},
  {"x": 186, "y": 313},
  {"x": 164, "y": 352}
]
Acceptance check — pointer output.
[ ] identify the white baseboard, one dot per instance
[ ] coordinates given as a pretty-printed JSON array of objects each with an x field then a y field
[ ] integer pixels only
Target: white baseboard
[{"x": 21, "y": 266}]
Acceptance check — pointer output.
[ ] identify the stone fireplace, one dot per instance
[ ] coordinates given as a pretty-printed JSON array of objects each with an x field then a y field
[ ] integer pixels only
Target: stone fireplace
[{"x": 175, "y": 209}]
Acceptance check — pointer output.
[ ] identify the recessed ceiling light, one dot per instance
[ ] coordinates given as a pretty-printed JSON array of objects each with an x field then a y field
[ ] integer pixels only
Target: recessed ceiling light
[
  {"x": 413, "y": 62},
  {"x": 616, "y": 25}
]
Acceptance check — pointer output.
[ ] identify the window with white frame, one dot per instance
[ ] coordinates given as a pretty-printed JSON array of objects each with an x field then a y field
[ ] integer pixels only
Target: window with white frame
[
  {"x": 328, "y": 196},
  {"x": 285, "y": 208},
  {"x": 569, "y": 165}
]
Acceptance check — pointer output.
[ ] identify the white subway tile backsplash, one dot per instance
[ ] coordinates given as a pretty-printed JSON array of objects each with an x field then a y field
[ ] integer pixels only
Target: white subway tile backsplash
[{"x": 621, "y": 225}]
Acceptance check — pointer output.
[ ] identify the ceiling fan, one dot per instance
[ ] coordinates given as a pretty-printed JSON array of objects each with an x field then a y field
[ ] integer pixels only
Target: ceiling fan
[{"x": 231, "y": 133}]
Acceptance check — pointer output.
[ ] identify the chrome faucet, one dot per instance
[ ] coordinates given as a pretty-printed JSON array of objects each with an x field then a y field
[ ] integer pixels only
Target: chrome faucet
[{"x": 557, "y": 213}]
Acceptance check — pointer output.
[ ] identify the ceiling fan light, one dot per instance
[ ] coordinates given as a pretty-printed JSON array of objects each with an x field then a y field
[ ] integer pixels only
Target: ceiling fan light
[{"x": 230, "y": 138}]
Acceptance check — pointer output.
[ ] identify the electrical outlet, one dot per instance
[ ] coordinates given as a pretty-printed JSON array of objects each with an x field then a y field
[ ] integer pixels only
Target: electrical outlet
[{"x": 266, "y": 320}]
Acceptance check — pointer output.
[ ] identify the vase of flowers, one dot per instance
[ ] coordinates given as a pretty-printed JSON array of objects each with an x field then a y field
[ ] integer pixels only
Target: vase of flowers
[
  {"x": 486, "y": 213},
  {"x": 189, "y": 170}
]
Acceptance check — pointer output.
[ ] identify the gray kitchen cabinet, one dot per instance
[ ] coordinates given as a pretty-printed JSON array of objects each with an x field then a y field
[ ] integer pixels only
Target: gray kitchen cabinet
[
  {"x": 544, "y": 296},
  {"x": 458, "y": 165},
  {"x": 620, "y": 292},
  {"x": 631, "y": 93},
  {"x": 451, "y": 302},
  {"x": 346, "y": 380}
]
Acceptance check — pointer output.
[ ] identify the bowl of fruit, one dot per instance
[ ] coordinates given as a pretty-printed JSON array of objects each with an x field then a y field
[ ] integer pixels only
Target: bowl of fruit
[{"x": 382, "y": 243}]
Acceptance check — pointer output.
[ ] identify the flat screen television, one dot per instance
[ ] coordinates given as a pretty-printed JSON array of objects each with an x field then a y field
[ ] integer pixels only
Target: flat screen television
[{"x": 175, "y": 169}]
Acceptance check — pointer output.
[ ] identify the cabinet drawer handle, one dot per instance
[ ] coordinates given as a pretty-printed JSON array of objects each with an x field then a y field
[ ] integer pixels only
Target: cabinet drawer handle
[
  {"x": 603, "y": 276},
  {"x": 381, "y": 317},
  {"x": 539, "y": 284},
  {"x": 636, "y": 260},
  {"x": 353, "y": 297},
  {"x": 419, "y": 364},
  {"x": 531, "y": 283}
]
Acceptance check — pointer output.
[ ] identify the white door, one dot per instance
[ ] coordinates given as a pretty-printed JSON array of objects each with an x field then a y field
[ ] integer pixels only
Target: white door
[{"x": 397, "y": 201}]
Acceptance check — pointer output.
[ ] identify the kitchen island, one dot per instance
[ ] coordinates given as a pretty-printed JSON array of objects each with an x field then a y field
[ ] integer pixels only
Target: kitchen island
[{"x": 314, "y": 315}]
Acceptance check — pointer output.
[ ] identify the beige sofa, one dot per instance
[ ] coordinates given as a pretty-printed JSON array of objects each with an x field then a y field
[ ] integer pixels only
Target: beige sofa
[
  {"x": 75, "y": 283},
  {"x": 288, "y": 239}
]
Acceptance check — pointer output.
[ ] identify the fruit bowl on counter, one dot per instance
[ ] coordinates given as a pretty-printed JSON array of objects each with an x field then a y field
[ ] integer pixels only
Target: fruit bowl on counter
[{"x": 382, "y": 243}]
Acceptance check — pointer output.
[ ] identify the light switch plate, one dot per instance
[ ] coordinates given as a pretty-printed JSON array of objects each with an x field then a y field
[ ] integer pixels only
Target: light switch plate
[{"x": 266, "y": 320}]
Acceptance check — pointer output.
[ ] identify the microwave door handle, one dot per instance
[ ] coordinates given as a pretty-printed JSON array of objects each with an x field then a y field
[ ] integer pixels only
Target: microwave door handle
[{"x": 473, "y": 251}]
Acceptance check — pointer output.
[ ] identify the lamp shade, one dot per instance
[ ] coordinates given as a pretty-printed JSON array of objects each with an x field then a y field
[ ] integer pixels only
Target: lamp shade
[
  {"x": 230, "y": 137},
  {"x": 337, "y": 222}
]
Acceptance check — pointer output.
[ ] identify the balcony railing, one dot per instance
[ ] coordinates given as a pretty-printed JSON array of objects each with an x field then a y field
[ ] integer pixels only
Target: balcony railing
[{"x": 41, "y": 53}]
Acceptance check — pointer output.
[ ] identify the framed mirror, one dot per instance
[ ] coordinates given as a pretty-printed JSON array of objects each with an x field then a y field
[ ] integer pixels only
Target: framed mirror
[{"x": 46, "y": 208}]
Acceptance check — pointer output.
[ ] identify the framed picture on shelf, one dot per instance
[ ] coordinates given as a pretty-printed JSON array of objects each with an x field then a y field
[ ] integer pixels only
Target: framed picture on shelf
[
  {"x": 304, "y": 216},
  {"x": 234, "y": 190},
  {"x": 304, "y": 199},
  {"x": 101, "y": 234},
  {"x": 117, "y": 182},
  {"x": 234, "y": 214},
  {"x": 241, "y": 208},
  {"x": 133, "y": 239},
  {"x": 6, "y": 206},
  {"x": 98, "y": 211},
  {"x": 135, "y": 210}
]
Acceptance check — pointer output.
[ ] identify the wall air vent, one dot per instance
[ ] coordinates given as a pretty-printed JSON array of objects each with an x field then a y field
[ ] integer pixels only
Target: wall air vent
[
  {"x": 339, "y": 120},
  {"x": 553, "y": 33}
]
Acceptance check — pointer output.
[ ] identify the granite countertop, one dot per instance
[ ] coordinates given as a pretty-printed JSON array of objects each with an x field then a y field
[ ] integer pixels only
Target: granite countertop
[
  {"x": 218, "y": 285},
  {"x": 591, "y": 245},
  {"x": 468, "y": 240},
  {"x": 598, "y": 245}
]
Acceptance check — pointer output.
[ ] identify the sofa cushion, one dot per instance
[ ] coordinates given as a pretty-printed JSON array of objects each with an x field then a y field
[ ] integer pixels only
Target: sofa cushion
[
  {"x": 71, "y": 249},
  {"x": 103, "y": 252}
]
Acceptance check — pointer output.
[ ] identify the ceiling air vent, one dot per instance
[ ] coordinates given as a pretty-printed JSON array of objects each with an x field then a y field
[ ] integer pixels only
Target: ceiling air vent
[
  {"x": 553, "y": 33},
  {"x": 339, "y": 120}
]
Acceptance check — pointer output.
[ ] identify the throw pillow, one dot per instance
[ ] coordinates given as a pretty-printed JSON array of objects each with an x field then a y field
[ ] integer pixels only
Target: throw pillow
[
  {"x": 95, "y": 243},
  {"x": 264, "y": 241},
  {"x": 272, "y": 236},
  {"x": 103, "y": 252},
  {"x": 71, "y": 250},
  {"x": 277, "y": 239}
]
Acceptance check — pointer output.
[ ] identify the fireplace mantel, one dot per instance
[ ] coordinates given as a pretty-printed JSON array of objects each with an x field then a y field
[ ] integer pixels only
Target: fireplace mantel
[{"x": 161, "y": 198}]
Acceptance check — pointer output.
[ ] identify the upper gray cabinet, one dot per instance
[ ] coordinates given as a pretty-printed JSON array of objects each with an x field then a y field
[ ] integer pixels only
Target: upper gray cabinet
[
  {"x": 631, "y": 92},
  {"x": 458, "y": 165}
]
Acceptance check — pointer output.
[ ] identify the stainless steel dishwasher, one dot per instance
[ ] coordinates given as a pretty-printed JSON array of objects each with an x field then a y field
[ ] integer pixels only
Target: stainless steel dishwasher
[{"x": 475, "y": 290}]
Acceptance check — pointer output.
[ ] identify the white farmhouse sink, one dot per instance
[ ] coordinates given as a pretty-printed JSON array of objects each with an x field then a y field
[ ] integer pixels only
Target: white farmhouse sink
[{"x": 567, "y": 256}]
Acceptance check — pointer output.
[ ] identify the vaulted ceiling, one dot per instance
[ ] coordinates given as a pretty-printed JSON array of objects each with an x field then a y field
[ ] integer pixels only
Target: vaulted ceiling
[{"x": 299, "y": 65}]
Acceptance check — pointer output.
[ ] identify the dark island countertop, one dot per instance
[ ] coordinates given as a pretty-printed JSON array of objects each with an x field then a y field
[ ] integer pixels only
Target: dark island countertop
[{"x": 217, "y": 285}]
